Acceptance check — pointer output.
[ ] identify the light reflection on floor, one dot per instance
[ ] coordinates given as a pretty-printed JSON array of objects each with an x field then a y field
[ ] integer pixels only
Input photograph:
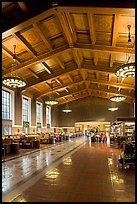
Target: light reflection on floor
[{"x": 17, "y": 170}]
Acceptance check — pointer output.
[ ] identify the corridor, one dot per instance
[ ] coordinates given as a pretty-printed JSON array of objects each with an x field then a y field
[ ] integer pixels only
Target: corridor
[{"x": 89, "y": 174}]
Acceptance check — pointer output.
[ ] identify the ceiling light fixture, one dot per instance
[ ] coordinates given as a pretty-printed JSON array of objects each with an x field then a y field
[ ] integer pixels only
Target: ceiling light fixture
[
  {"x": 51, "y": 100},
  {"x": 117, "y": 97},
  {"x": 113, "y": 107},
  {"x": 128, "y": 69},
  {"x": 13, "y": 81},
  {"x": 67, "y": 109}
]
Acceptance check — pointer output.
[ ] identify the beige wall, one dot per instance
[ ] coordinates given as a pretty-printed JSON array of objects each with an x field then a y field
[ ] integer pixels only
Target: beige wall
[
  {"x": 90, "y": 109},
  {"x": 33, "y": 112},
  {"x": 18, "y": 115},
  {"x": 44, "y": 114},
  {"x": 18, "y": 109}
]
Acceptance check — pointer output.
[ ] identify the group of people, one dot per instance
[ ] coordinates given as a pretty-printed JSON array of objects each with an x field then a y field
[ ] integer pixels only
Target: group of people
[
  {"x": 127, "y": 153},
  {"x": 98, "y": 137}
]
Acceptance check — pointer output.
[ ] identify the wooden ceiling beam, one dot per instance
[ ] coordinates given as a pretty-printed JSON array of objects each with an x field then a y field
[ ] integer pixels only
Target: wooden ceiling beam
[
  {"x": 90, "y": 93},
  {"x": 24, "y": 42},
  {"x": 80, "y": 82},
  {"x": 91, "y": 28},
  {"x": 59, "y": 82},
  {"x": 109, "y": 77},
  {"x": 33, "y": 73},
  {"x": 62, "y": 20},
  {"x": 27, "y": 23},
  {"x": 111, "y": 60},
  {"x": 122, "y": 80},
  {"x": 71, "y": 26},
  {"x": 115, "y": 30},
  {"x": 97, "y": 76},
  {"x": 49, "y": 85},
  {"x": 41, "y": 58},
  {"x": 45, "y": 39},
  {"x": 87, "y": 85},
  {"x": 57, "y": 93},
  {"x": 37, "y": 89},
  {"x": 60, "y": 62},
  {"x": 23, "y": 6},
  {"x": 58, "y": 88},
  {"x": 82, "y": 73},
  {"x": 31, "y": 83},
  {"x": 9, "y": 54},
  {"x": 76, "y": 57},
  {"x": 97, "y": 69},
  {"x": 100, "y": 88},
  {"x": 47, "y": 68},
  {"x": 113, "y": 94},
  {"x": 70, "y": 78},
  {"x": 56, "y": 75},
  {"x": 59, "y": 10},
  {"x": 114, "y": 84},
  {"x": 98, "y": 10},
  {"x": 66, "y": 90},
  {"x": 64, "y": 49},
  {"x": 103, "y": 48},
  {"x": 95, "y": 58}
]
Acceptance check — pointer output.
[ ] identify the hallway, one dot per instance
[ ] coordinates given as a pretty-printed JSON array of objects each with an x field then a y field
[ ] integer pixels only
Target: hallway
[{"x": 90, "y": 174}]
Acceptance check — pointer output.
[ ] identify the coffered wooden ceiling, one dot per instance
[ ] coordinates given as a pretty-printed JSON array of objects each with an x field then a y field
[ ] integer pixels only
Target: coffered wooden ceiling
[{"x": 75, "y": 48}]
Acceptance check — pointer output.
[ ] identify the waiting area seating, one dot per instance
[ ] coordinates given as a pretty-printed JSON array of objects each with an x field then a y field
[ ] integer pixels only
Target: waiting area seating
[
  {"x": 127, "y": 155},
  {"x": 11, "y": 144}
]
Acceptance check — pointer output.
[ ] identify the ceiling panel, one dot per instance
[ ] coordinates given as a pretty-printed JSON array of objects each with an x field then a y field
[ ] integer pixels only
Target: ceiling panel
[{"x": 77, "y": 47}]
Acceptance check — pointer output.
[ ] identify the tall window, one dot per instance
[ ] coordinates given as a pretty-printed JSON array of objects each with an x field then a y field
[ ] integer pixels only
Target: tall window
[
  {"x": 48, "y": 115},
  {"x": 5, "y": 105},
  {"x": 7, "y": 112},
  {"x": 25, "y": 109},
  {"x": 38, "y": 113}
]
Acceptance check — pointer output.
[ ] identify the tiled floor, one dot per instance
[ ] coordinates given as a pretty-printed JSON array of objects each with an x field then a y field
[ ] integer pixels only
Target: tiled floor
[
  {"x": 90, "y": 174},
  {"x": 10, "y": 156}
]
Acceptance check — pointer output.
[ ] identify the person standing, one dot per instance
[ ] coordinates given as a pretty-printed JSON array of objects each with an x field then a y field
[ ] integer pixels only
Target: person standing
[{"x": 104, "y": 137}]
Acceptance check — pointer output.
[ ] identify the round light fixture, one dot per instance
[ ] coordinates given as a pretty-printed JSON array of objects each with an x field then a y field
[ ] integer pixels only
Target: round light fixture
[
  {"x": 117, "y": 98},
  {"x": 113, "y": 109},
  {"x": 126, "y": 70},
  {"x": 67, "y": 109},
  {"x": 13, "y": 81},
  {"x": 51, "y": 102}
]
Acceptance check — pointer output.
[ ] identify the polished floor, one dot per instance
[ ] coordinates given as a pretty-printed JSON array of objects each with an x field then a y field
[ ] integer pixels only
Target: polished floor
[{"x": 90, "y": 173}]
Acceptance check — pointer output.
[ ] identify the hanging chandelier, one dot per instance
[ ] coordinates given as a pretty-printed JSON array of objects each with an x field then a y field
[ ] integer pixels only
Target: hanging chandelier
[
  {"x": 51, "y": 101},
  {"x": 127, "y": 69},
  {"x": 67, "y": 109},
  {"x": 117, "y": 97},
  {"x": 13, "y": 81},
  {"x": 113, "y": 107}
]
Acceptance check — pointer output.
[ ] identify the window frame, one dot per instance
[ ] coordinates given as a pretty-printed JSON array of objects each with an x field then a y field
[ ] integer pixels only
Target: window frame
[
  {"x": 29, "y": 109},
  {"x": 7, "y": 105},
  {"x": 48, "y": 115},
  {"x": 40, "y": 112}
]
